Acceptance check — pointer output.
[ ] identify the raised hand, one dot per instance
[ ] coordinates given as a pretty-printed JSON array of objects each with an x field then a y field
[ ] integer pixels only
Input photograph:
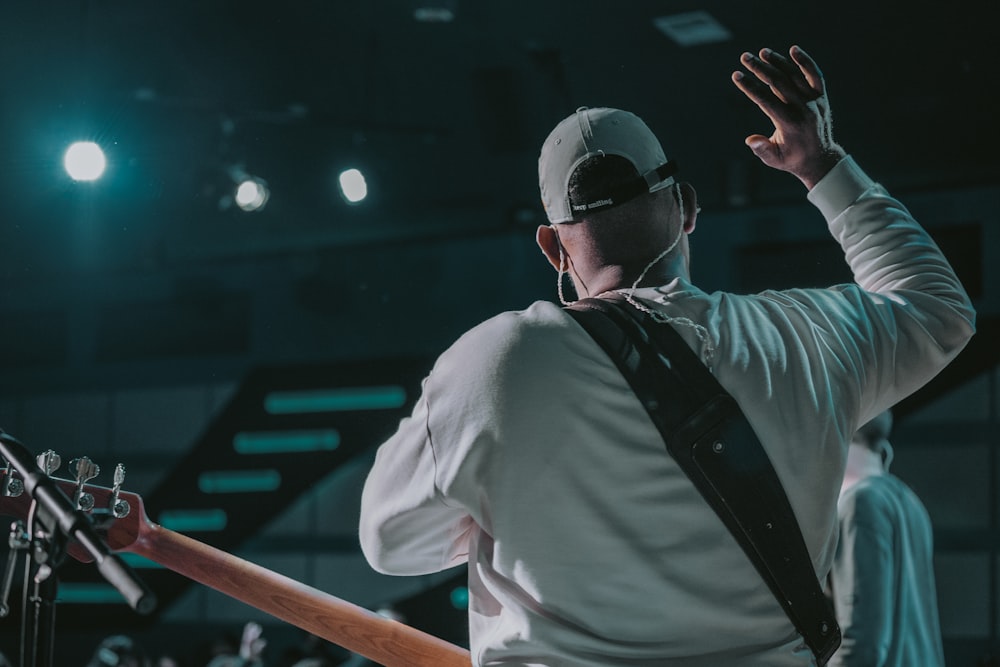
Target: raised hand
[{"x": 792, "y": 93}]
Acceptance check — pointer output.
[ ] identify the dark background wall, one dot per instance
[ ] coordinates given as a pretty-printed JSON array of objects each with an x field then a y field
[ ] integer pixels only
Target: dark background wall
[{"x": 141, "y": 313}]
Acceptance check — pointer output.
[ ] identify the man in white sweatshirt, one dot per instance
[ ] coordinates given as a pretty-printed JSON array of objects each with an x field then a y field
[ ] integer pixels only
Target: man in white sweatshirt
[{"x": 528, "y": 457}]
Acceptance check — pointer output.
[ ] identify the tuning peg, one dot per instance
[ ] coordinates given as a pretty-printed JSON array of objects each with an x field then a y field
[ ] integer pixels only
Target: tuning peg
[
  {"x": 12, "y": 486},
  {"x": 49, "y": 461},
  {"x": 119, "y": 506},
  {"x": 84, "y": 470}
]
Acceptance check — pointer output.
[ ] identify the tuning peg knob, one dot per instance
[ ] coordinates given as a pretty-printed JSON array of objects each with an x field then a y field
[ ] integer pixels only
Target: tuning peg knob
[
  {"x": 84, "y": 470},
  {"x": 12, "y": 486},
  {"x": 119, "y": 506},
  {"x": 49, "y": 461}
]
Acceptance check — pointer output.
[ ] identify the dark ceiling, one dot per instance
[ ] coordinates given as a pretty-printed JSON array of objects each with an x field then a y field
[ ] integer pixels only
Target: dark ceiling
[{"x": 445, "y": 116}]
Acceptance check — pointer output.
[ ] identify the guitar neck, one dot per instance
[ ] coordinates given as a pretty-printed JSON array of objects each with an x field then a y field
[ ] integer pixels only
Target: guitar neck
[{"x": 357, "y": 629}]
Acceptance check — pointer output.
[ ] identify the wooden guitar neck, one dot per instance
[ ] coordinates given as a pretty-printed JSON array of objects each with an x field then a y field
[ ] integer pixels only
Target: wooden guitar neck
[{"x": 357, "y": 629}]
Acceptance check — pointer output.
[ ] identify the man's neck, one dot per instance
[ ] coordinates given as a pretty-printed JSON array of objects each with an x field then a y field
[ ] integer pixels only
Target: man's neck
[{"x": 615, "y": 277}]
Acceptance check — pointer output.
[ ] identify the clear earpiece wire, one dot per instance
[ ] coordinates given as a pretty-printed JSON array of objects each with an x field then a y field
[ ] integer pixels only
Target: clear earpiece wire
[{"x": 708, "y": 350}]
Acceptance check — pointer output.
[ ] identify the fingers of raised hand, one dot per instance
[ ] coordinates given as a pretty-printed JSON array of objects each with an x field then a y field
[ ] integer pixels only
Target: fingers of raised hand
[
  {"x": 809, "y": 70},
  {"x": 760, "y": 92},
  {"x": 766, "y": 73},
  {"x": 784, "y": 77}
]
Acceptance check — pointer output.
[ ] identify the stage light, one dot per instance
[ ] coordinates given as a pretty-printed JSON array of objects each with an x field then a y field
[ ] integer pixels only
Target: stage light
[
  {"x": 335, "y": 400},
  {"x": 194, "y": 520},
  {"x": 281, "y": 442},
  {"x": 137, "y": 562},
  {"x": 353, "y": 186},
  {"x": 239, "y": 481},
  {"x": 88, "y": 593},
  {"x": 251, "y": 194},
  {"x": 84, "y": 161},
  {"x": 434, "y": 14}
]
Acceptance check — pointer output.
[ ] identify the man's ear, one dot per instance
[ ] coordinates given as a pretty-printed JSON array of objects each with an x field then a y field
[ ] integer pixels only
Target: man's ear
[
  {"x": 548, "y": 240},
  {"x": 691, "y": 207}
]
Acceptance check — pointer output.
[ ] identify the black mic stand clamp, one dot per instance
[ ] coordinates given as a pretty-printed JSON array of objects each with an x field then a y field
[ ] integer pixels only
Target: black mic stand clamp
[
  {"x": 41, "y": 548},
  {"x": 18, "y": 541},
  {"x": 53, "y": 519},
  {"x": 45, "y": 554}
]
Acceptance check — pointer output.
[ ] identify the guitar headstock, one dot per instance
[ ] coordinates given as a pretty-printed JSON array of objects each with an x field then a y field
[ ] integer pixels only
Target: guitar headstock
[{"x": 119, "y": 515}]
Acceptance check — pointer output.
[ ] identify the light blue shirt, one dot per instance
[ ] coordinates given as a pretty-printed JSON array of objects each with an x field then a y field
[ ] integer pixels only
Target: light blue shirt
[{"x": 883, "y": 578}]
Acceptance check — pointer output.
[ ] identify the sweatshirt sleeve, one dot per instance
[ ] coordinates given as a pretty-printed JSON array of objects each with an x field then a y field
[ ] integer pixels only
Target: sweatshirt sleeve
[
  {"x": 423, "y": 506},
  {"x": 407, "y": 527},
  {"x": 907, "y": 301}
]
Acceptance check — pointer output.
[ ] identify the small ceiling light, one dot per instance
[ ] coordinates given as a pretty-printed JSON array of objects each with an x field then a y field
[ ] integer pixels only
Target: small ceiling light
[
  {"x": 84, "y": 161},
  {"x": 434, "y": 15},
  {"x": 353, "y": 186},
  {"x": 251, "y": 194},
  {"x": 692, "y": 28}
]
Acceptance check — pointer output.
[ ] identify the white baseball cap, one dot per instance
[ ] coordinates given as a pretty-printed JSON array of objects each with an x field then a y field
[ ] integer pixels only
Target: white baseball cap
[{"x": 597, "y": 132}]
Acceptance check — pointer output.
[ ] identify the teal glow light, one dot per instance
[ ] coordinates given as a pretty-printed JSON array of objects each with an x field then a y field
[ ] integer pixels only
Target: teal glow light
[
  {"x": 137, "y": 562},
  {"x": 284, "y": 442},
  {"x": 460, "y": 597},
  {"x": 80, "y": 593},
  {"x": 194, "y": 521},
  {"x": 335, "y": 400},
  {"x": 239, "y": 481}
]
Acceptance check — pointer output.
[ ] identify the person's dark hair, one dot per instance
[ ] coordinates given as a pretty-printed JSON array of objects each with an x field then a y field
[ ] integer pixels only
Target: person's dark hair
[
  {"x": 625, "y": 234},
  {"x": 596, "y": 176},
  {"x": 879, "y": 428},
  {"x": 875, "y": 435}
]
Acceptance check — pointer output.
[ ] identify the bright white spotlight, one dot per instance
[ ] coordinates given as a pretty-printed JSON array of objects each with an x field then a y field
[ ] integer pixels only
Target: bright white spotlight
[
  {"x": 84, "y": 161},
  {"x": 251, "y": 194},
  {"x": 353, "y": 186}
]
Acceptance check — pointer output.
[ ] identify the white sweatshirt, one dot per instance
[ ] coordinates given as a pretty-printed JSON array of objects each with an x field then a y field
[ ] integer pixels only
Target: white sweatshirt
[{"x": 529, "y": 457}]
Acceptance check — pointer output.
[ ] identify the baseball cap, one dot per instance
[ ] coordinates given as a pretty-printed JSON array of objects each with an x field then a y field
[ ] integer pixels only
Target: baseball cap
[{"x": 598, "y": 133}]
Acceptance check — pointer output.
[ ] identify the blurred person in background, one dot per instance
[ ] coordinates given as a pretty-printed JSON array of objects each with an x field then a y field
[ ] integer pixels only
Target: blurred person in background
[{"x": 882, "y": 582}]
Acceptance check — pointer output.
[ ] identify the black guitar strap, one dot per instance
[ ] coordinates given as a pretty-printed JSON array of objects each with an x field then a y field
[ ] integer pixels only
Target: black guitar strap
[{"x": 711, "y": 440}]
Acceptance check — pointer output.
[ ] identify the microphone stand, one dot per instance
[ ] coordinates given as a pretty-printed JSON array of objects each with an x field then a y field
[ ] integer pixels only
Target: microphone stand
[
  {"x": 53, "y": 520},
  {"x": 45, "y": 552}
]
